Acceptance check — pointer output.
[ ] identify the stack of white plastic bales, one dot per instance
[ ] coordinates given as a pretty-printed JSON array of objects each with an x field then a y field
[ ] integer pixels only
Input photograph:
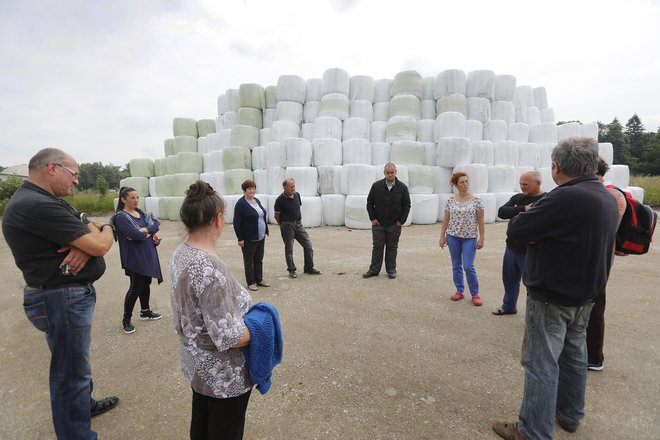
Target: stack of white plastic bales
[{"x": 333, "y": 135}]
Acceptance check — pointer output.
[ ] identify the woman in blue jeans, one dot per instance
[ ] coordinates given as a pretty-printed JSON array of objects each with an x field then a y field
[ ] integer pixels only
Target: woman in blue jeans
[{"x": 463, "y": 230}]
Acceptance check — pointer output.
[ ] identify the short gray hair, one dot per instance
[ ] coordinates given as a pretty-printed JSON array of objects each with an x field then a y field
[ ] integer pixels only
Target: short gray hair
[
  {"x": 535, "y": 175},
  {"x": 576, "y": 156},
  {"x": 46, "y": 156},
  {"x": 389, "y": 164}
]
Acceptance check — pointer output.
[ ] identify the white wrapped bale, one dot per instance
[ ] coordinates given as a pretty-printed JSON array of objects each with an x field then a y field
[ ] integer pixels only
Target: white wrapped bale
[
  {"x": 234, "y": 158},
  {"x": 218, "y": 124},
  {"x": 401, "y": 128},
  {"x": 185, "y": 143},
  {"x": 264, "y": 136},
  {"x": 355, "y": 213},
  {"x": 244, "y": 136},
  {"x": 543, "y": 133},
  {"x": 170, "y": 207},
  {"x": 306, "y": 131},
  {"x": 405, "y": 105},
  {"x": 271, "y": 208},
  {"x": 381, "y": 111},
  {"x": 334, "y": 104},
  {"x": 141, "y": 167},
  {"x": 205, "y": 127},
  {"x": 490, "y": 207},
  {"x": 382, "y": 90},
  {"x": 545, "y": 154},
  {"x": 333, "y": 206},
  {"x": 306, "y": 178},
  {"x": 547, "y": 115},
  {"x": 213, "y": 162},
  {"x": 425, "y": 129},
  {"x": 478, "y": 109},
  {"x": 269, "y": 117},
  {"x": 501, "y": 198},
  {"x": 261, "y": 180},
  {"x": 311, "y": 111},
  {"x": 326, "y": 152},
  {"x": 172, "y": 165},
  {"x": 378, "y": 131},
  {"x": 275, "y": 179},
  {"x": 311, "y": 211},
  {"x": 291, "y": 88},
  {"x": 636, "y": 192},
  {"x": 540, "y": 98},
  {"x": 504, "y": 88},
  {"x": 216, "y": 179},
  {"x": 547, "y": 183},
  {"x": 225, "y": 138},
  {"x": 259, "y": 158},
  {"x": 330, "y": 179},
  {"x": 480, "y": 84},
  {"x": 529, "y": 154},
  {"x": 503, "y": 111},
  {"x": 160, "y": 166},
  {"x": 401, "y": 174},
  {"x": 357, "y": 179},
  {"x": 190, "y": 162},
  {"x": 452, "y": 103},
  {"x": 482, "y": 152},
  {"x": 284, "y": 129},
  {"x": 289, "y": 111},
  {"x": 523, "y": 97},
  {"x": 235, "y": 178},
  {"x": 202, "y": 145},
  {"x": 589, "y": 131},
  {"x": 429, "y": 83},
  {"x": 430, "y": 153},
  {"x": 160, "y": 186},
  {"x": 501, "y": 178},
  {"x": 568, "y": 130},
  {"x": 313, "y": 89},
  {"x": 478, "y": 175},
  {"x": 474, "y": 130},
  {"x": 606, "y": 151},
  {"x": 180, "y": 182},
  {"x": 421, "y": 179},
  {"x": 152, "y": 205},
  {"x": 356, "y": 128},
  {"x": 233, "y": 100},
  {"x": 408, "y": 82},
  {"x": 449, "y": 82},
  {"x": 424, "y": 209},
  {"x": 222, "y": 104},
  {"x": 442, "y": 177},
  {"x": 453, "y": 151},
  {"x": 428, "y": 109},
  {"x": 275, "y": 155},
  {"x": 518, "y": 132},
  {"x": 495, "y": 130},
  {"x": 229, "y": 119},
  {"x": 252, "y": 95},
  {"x": 449, "y": 124},
  {"x": 184, "y": 127},
  {"x": 442, "y": 204},
  {"x": 380, "y": 153},
  {"x": 230, "y": 202},
  {"x": 213, "y": 142},
  {"x": 250, "y": 116},
  {"x": 356, "y": 151},
  {"x": 361, "y": 109},
  {"x": 336, "y": 80},
  {"x": 533, "y": 116},
  {"x": 327, "y": 127},
  {"x": 168, "y": 147},
  {"x": 618, "y": 175},
  {"x": 505, "y": 153},
  {"x": 298, "y": 152},
  {"x": 361, "y": 88},
  {"x": 407, "y": 153}
]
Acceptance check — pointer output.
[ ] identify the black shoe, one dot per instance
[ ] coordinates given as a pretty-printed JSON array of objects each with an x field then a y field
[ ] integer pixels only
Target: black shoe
[
  {"x": 595, "y": 367},
  {"x": 392, "y": 275},
  {"x": 566, "y": 427},
  {"x": 128, "y": 327},
  {"x": 369, "y": 275},
  {"x": 292, "y": 274},
  {"x": 148, "y": 315},
  {"x": 313, "y": 272},
  {"x": 104, "y": 405}
]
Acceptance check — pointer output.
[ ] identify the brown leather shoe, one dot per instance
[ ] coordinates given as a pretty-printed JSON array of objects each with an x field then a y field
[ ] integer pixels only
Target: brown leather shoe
[{"x": 508, "y": 431}]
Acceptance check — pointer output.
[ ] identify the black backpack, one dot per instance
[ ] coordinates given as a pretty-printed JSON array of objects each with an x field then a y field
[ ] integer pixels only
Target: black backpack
[{"x": 637, "y": 225}]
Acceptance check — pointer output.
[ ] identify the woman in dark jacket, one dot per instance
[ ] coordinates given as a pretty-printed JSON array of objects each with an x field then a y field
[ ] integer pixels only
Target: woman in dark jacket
[
  {"x": 251, "y": 229},
  {"x": 136, "y": 231}
]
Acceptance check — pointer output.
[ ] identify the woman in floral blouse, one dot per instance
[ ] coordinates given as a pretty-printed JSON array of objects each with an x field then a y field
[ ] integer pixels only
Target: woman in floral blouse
[
  {"x": 208, "y": 305},
  {"x": 463, "y": 231}
]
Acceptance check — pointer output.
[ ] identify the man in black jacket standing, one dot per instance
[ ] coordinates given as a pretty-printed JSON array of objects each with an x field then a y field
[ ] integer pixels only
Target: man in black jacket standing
[
  {"x": 570, "y": 234},
  {"x": 388, "y": 205}
]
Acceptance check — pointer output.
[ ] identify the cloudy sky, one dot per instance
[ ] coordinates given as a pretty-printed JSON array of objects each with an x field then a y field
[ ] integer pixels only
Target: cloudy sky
[{"x": 103, "y": 80}]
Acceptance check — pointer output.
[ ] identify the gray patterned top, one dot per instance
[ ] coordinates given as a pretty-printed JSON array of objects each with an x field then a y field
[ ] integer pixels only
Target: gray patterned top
[{"x": 208, "y": 305}]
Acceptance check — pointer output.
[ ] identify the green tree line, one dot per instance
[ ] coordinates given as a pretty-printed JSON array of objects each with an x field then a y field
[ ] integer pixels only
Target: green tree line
[{"x": 633, "y": 146}]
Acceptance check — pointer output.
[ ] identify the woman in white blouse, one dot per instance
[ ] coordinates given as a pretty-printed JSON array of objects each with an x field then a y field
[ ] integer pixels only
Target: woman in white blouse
[
  {"x": 463, "y": 231},
  {"x": 208, "y": 304}
]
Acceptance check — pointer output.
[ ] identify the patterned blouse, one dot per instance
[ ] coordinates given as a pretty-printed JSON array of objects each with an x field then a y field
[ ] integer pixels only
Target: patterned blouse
[
  {"x": 463, "y": 217},
  {"x": 208, "y": 305}
]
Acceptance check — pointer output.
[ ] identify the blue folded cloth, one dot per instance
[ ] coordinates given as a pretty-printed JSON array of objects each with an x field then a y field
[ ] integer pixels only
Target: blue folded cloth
[{"x": 265, "y": 349}]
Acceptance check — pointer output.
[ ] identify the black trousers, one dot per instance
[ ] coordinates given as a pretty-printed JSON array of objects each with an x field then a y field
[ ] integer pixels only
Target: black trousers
[
  {"x": 384, "y": 238},
  {"x": 253, "y": 260},
  {"x": 596, "y": 331},
  {"x": 218, "y": 419},
  {"x": 139, "y": 288}
]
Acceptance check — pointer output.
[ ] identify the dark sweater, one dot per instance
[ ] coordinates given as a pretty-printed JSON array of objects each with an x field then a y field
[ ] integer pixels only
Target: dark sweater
[
  {"x": 246, "y": 220},
  {"x": 388, "y": 205},
  {"x": 512, "y": 208},
  {"x": 571, "y": 233}
]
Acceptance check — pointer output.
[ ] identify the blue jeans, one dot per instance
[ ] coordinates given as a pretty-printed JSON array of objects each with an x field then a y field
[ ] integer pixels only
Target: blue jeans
[
  {"x": 463, "y": 251},
  {"x": 513, "y": 266},
  {"x": 291, "y": 231},
  {"x": 554, "y": 354},
  {"x": 65, "y": 315}
]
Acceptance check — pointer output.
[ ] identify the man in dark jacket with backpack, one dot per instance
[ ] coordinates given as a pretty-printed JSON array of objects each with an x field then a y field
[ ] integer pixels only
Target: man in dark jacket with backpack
[
  {"x": 388, "y": 205},
  {"x": 570, "y": 234}
]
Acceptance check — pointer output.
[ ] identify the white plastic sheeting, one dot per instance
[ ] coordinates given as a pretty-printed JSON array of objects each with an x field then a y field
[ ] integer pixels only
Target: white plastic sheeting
[
  {"x": 361, "y": 88},
  {"x": 421, "y": 179},
  {"x": 589, "y": 131},
  {"x": 184, "y": 127},
  {"x": 311, "y": 211},
  {"x": 361, "y": 109},
  {"x": 547, "y": 115},
  {"x": 442, "y": 177},
  {"x": 425, "y": 129},
  {"x": 235, "y": 158},
  {"x": 495, "y": 130},
  {"x": 448, "y": 82},
  {"x": 381, "y": 111},
  {"x": 540, "y": 98},
  {"x": 168, "y": 146},
  {"x": 275, "y": 179},
  {"x": 408, "y": 82},
  {"x": 618, "y": 175},
  {"x": 261, "y": 179},
  {"x": 291, "y": 88},
  {"x": 442, "y": 204},
  {"x": 306, "y": 178},
  {"x": 269, "y": 117},
  {"x": 547, "y": 184},
  {"x": 334, "y": 104},
  {"x": 482, "y": 152},
  {"x": 169, "y": 207},
  {"x": 428, "y": 107},
  {"x": 380, "y": 153},
  {"x": 490, "y": 207},
  {"x": 356, "y": 128},
  {"x": 501, "y": 198},
  {"x": 152, "y": 205},
  {"x": 141, "y": 167},
  {"x": 636, "y": 192},
  {"x": 453, "y": 151},
  {"x": 233, "y": 100},
  {"x": 298, "y": 152},
  {"x": 306, "y": 131},
  {"x": 474, "y": 130},
  {"x": 284, "y": 129},
  {"x": 185, "y": 143},
  {"x": 172, "y": 165},
  {"x": 327, "y": 127},
  {"x": 326, "y": 152},
  {"x": 270, "y": 97},
  {"x": 216, "y": 180},
  {"x": 357, "y": 179},
  {"x": 336, "y": 80},
  {"x": 501, "y": 178},
  {"x": 543, "y": 133},
  {"x": 529, "y": 154},
  {"x": 545, "y": 154},
  {"x": 406, "y": 105},
  {"x": 160, "y": 186},
  {"x": 478, "y": 175},
  {"x": 213, "y": 142},
  {"x": 378, "y": 131},
  {"x": 429, "y": 82},
  {"x": 505, "y": 153},
  {"x": 503, "y": 110},
  {"x": 568, "y": 130},
  {"x": 333, "y": 206},
  {"x": 401, "y": 128},
  {"x": 356, "y": 151},
  {"x": 355, "y": 213},
  {"x": 213, "y": 162},
  {"x": 244, "y": 136},
  {"x": 229, "y": 119},
  {"x": 606, "y": 151},
  {"x": 430, "y": 153},
  {"x": 523, "y": 97},
  {"x": 452, "y": 103},
  {"x": 449, "y": 124},
  {"x": 313, "y": 89},
  {"x": 504, "y": 88},
  {"x": 202, "y": 145},
  {"x": 190, "y": 162},
  {"x": 225, "y": 138},
  {"x": 271, "y": 208},
  {"x": 382, "y": 90},
  {"x": 230, "y": 201},
  {"x": 424, "y": 209},
  {"x": 330, "y": 179},
  {"x": 311, "y": 111},
  {"x": 518, "y": 132},
  {"x": 480, "y": 84},
  {"x": 275, "y": 155},
  {"x": 160, "y": 166},
  {"x": 407, "y": 153},
  {"x": 532, "y": 116}
]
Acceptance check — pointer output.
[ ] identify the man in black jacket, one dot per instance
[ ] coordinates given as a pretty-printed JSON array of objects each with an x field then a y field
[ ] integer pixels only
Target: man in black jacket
[
  {"x": 388, "y": 205},
  {"x": 570, "y": 234}
]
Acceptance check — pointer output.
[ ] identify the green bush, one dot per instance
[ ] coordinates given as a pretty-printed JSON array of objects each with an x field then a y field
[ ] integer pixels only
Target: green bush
[
  {"x": 91, "y": 202},
  {"x": 651, "y": 185},
  {"x": 9, "y": 186}
]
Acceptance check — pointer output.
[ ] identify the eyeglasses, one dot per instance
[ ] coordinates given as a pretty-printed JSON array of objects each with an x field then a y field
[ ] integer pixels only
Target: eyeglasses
[{"x": 74, "y": 174}]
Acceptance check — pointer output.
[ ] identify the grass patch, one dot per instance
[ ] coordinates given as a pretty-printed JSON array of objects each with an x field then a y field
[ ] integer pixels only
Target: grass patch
[
  {"x": 92, "y": 203},
  {"x": 651, "y": 185}
]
